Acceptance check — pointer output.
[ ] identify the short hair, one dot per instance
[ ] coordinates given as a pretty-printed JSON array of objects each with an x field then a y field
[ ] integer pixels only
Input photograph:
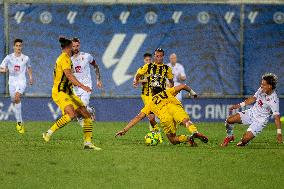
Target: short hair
[
  {"x": 76, "y": 39},
  {"x": 160, "y": 50},
  {"x": 147, "y": 55},
  {"x": 271, "y": 79},
  {"x": 18, "y": 41},
  {"x": 64, "y": 42}
]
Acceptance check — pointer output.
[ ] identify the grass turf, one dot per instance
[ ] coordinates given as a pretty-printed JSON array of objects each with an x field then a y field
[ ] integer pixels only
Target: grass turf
[{"x": 26, "y": 161}]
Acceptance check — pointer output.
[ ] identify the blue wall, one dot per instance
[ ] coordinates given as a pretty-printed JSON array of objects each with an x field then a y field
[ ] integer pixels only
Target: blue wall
[{"x": 206, "y": 38}]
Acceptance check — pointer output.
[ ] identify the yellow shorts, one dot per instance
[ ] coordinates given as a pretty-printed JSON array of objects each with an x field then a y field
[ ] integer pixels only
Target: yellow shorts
[
  {"x": 62, "y": 100},
  {"x": 173, "y": 114},
  {"x": 146, "y": 99}
]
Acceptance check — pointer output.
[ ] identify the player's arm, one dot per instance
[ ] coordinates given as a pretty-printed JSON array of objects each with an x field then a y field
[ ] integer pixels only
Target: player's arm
[
  {"x": 3, "y": 66},
  {"x": 98, "y": 74},
  {"x": 170, "y": 77},
  {"x": 185, "y": 87},
  {"x": 248, "y": 101},
  {"x": 278, "y": 127},
  {"x": 3, "y": 70},
  {"x": 140, "y": 72},
  {"x": 133, "y": 122},
  {"x": 74, "y": 81}
]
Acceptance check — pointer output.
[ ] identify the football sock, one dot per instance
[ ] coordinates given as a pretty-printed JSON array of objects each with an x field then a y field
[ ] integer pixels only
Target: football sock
[
  {"x": 18, "y": 112},
  {"x": 88, "y": 130},
  {"x": 156, "y": 128},
  {"x": 182, "y": 138},
  {"x": 229, "y": 129},
  {"x": 191, "y": 127},
  {"x": 61, "y": 122}
]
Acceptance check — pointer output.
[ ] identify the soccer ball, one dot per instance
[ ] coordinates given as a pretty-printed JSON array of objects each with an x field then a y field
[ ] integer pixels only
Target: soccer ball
[{"x": 151, "y": 139}]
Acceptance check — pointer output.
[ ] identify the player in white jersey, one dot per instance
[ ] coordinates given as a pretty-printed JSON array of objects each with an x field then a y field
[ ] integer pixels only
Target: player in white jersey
[
  {"x": 17, "y": 64},
  {"x": 178, "y": 72},
  {"x": 266, "y": 104},
  {"x": 81, "y": 66}
]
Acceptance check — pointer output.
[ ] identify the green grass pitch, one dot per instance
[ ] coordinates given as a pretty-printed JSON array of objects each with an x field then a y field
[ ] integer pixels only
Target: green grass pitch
[{"x": 26, "y": 161}]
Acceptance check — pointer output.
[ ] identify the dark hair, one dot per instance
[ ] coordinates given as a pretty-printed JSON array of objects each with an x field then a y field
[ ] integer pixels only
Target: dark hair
[
  {"x": 76, "y": 39},
  {"x": 18, "y": 41},
  {"x": 160, "y": 50},
  {"x": 64, "y": 42},
  {"x": 271, "y": 79},
  {"x": 156, "y": 90},
  {"x": 147, "y": 55}
]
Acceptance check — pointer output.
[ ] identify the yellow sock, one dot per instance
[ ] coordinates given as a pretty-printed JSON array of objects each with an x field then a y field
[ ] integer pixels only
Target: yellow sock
[
  {"x": 61, "y": 122},
  {"x": 88, "y": 129},
  {"x": 192, "y": 129},
  {"x": 182, "y": 138},
  {"x": 156, "y": 127}
]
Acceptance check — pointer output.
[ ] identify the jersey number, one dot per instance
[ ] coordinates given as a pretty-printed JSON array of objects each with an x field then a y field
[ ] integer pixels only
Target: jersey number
[{"x": 158, "y": 98}]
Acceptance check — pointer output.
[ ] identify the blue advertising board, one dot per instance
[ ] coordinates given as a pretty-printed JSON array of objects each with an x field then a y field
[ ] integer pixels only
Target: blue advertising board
[{"x": 120, "y": 109}]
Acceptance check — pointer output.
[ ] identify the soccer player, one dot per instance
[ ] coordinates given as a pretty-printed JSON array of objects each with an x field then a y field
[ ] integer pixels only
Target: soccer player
[
  {"x": 160, "y": 72},
  {"x": 178, "y": 72},
  {"x": 169, "y": 110},
  {"x": 81, "y": 68},
  {"x": 62, "y": 94},
  {"x": 17, "y": 64},
  {"x": 266, "y": 104}
]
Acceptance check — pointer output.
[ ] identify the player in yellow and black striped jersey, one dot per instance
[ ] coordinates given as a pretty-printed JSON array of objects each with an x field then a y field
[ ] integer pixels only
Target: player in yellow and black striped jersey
[
  {"x": 144, "y": 80},
  {"x": 63, "y": 96},
  {"x": 157, "y": 71}
]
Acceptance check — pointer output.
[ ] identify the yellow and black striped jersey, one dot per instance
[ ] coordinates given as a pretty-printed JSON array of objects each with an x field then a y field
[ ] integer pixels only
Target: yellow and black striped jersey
[
  {"x": 152, "y": 70},
  {"x": 61, "y": 82}
]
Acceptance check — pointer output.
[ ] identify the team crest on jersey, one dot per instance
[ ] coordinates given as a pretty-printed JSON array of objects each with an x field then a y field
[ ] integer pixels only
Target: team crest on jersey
[{"x": 16, "y": 68}]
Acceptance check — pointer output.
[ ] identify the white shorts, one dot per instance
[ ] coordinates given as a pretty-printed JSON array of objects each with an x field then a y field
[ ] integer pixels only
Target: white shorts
[
  {"x": 254, "y": 126},
  {"x": 16, "y": 87},
  {"x": 83, "y": 95}
]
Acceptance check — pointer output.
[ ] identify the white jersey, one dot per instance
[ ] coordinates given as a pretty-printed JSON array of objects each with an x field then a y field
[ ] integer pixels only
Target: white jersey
[
  {"x": 17, "y": 67},
  {"x": 177, "y": 70},
  {"x": 81, "y": 68},
  {"x": 265, "y": 106}
]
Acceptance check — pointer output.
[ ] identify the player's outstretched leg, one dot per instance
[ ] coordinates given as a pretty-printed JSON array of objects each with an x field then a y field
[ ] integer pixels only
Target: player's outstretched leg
[
  {"x": 18, "y": 113},
  {"x": 87, "y": 128},
  {"x": 248, "y": 136},
  {"x": 230, "y": 128},
  {"x": 194, "y": 132},
  {"x": 61, "y": 122}
]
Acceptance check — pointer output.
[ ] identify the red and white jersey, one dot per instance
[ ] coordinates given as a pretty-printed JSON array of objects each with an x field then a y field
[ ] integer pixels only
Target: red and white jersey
[
  {"x": 17, "y": 67},
  {"x": 177, "y": 70},
  {"x": 81, "y": 68},
  {"x": 265, "y": 106}
]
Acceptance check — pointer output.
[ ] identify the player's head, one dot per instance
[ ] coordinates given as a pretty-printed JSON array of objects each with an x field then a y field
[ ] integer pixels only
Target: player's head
[
  {"x": 268, "y": 82},
  {"x": 66, "y": 45},
  {"x": 76, "y": 45},
  {"x": 159, "y": 55},
  {"x": 173, "y": 58},
  {"x": 147, "y": 58},
  {"x": 18, "y": 45}
]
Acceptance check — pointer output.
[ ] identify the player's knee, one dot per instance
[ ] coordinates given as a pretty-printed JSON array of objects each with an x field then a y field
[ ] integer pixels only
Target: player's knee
[{"x": 230, "y": 120}]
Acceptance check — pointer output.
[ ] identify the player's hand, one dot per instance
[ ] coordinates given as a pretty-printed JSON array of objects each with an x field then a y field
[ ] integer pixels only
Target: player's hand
[
  {"x": 120, "y": 133},
  {"x": 135, "y": 84},
  {"x": 234, "y": 107},
  {"x": 87, "y": 89},
  {"x": 279, "y": 138},
  {"x": 31, "y": 82},
  {"x": 99, "y": 84}
]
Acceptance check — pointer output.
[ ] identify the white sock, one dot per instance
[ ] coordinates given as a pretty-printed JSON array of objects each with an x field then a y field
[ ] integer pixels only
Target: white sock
[{"x": 18, "y": 112}]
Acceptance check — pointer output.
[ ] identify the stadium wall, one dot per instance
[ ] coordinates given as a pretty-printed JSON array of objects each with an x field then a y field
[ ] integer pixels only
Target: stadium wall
[
  {"x": 119, "y": 109},
  {"x": 225, "y": 48}
]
